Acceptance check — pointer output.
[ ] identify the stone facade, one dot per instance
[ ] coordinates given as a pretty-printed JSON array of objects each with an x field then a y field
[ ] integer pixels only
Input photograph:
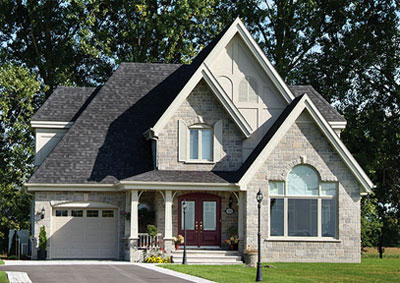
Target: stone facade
[
  {"x": 47, "y": 199},
  {"x": 200, "y": 103},
  {"x": 305, "y": 143}
]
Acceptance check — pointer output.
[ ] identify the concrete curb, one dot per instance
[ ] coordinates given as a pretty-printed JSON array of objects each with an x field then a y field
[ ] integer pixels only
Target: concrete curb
[
  {"x": 18, "y": 277},
  {"x": 64, "y": 262},
  {"x": 174, "y": 273}
]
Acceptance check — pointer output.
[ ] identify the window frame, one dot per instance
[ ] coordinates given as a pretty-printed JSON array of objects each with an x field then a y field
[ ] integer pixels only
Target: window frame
[
  {"x": 285, "y": 196},
  {"x": 200, "y": 128}
]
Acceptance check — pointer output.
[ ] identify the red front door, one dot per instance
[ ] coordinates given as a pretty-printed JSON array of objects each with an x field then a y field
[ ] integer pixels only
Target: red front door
[{"x": 203, "y": 219}]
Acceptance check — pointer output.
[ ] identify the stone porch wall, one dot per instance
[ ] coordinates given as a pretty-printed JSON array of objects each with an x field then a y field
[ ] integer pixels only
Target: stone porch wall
[
  {"x": 201, "y": 102},
  {"x": 42, "y": 200},
  {"x": 304, "y": 139}
]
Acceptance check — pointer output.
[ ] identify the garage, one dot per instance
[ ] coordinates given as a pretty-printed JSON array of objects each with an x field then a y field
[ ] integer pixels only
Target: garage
[{"x": 84, "y": 232}]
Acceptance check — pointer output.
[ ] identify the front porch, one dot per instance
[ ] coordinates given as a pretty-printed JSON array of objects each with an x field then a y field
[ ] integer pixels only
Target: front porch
[{"x": 211, "y": 217}]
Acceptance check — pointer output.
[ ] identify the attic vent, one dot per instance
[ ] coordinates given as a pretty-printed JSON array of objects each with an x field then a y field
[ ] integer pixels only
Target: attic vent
[{"x": 248, "y": 90}]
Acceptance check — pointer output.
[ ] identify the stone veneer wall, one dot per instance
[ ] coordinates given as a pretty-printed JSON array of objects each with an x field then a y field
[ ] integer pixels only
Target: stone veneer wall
[
  {"x": 201, "y": 102},
  {"x": 306, "y": 139},
  {"x": 42, "y": 200}
]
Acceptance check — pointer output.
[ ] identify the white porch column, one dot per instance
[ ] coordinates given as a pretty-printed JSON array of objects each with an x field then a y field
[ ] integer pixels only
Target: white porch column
[
  {"x": 241, "y": 212},
  {"x": 168, "y": 221},
  {"x": 135, "y": 255}
]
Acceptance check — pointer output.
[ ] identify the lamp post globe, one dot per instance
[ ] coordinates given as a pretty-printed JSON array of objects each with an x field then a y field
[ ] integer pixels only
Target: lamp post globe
[{"x": 259, "y": 198}]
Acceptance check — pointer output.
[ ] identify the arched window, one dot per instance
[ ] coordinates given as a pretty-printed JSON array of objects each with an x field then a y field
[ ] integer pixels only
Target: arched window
[{"x": 303, "y": 206}]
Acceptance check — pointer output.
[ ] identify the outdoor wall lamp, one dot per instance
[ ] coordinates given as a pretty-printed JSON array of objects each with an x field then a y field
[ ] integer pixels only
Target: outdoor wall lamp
[
  {"x": 259, "y": 198},
  {"x": 42, "y": 213}
]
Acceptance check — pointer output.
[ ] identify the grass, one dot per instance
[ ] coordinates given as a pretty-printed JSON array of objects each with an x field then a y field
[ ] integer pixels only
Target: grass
[
  {"x": 370, "y": 270},
  {"x": 3, "y": 277}
]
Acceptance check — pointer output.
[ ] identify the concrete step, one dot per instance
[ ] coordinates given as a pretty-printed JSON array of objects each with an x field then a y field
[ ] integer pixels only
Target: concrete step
[{"x": 208, "y": 257}]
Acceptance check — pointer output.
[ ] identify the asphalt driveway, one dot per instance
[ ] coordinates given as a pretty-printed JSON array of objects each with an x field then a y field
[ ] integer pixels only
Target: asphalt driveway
[{"x": 91, "y": 273}]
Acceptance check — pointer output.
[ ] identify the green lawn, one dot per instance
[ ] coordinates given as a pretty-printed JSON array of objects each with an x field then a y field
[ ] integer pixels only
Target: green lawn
[
  {"x": 3, "y": 277},
  {"x": 370, "y": 270}
]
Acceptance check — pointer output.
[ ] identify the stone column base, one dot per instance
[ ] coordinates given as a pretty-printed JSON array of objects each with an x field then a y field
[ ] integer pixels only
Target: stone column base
[
  {"x": 135, "y": 255},
  {"x": 168, "y": 245}
]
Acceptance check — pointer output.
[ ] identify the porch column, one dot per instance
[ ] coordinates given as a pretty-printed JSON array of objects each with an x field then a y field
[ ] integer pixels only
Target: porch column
[
  {"x": 134, "y": 237},
  {"x": 241, "y": 205},
  {"x": 168, "y": 222}
]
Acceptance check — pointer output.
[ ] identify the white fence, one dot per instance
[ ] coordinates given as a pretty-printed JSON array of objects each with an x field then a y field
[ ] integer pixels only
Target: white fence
[{"x": 147, "y": 241}]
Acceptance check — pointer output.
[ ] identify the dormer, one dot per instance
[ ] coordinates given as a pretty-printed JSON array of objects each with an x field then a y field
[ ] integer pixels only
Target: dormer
[{"x": 56, "y": 116}]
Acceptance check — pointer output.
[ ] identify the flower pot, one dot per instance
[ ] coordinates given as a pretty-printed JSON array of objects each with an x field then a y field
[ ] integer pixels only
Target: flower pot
[
  {"x": 250, "y": 259},
  {"x": 176, "y": 247},
  {"x": 42, "y": 255}
]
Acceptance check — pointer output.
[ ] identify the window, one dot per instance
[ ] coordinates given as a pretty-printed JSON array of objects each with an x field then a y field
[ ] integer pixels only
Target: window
[
  {"x": 303, "y": 206},
  {"x": 61, "y": 213},
  {"x": 76, "y": 213},
  {"x": 92, "y": 213},
  {"x": 200, "y": 145},
  {"x": 107, "y": 213}
]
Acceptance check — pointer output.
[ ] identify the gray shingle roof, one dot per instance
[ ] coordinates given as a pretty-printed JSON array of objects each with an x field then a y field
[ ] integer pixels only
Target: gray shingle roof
[
  {"x": 329, "y": 113},
  {"x": 184, "y": 176},
  {"x": 63, "y": 104},
  {"x": 106, "y": 142}
]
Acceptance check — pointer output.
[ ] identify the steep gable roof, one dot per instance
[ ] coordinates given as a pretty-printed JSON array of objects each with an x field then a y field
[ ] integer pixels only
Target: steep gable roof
[{"x": 278, "y": 130}]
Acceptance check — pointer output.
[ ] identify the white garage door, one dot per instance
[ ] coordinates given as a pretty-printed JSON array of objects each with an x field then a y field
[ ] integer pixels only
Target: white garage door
[{"x": 84, "y": 233}]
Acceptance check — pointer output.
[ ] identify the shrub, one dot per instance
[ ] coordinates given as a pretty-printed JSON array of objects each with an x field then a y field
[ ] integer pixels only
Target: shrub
[
  {"x": 42, "y": 239},
  {"x": 152, "y": 230},
  {"x": 156, "y": 255}
]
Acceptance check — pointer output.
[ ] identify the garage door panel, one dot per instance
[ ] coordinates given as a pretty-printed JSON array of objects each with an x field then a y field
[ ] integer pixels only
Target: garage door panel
[{"x": 84, "y": 237}]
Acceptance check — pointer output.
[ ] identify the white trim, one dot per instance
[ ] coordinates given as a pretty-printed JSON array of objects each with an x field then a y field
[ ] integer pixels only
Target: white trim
[
  {"x": 338, "y": 125},
  {"x": 80, "y": 204},
  {"x": 334, "y": 140},
  {"x": 303, "y": 239},
  {"x": 51, "y": 124},
  {"x": 162, "y": 186}
]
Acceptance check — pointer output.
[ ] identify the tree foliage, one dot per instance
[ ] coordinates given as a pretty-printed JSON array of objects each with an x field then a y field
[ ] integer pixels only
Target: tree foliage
[{"x": 18, "y": 90}]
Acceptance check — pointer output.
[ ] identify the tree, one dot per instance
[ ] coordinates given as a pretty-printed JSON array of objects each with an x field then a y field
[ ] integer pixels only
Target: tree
[
  {"x": 80, "y": 42},
  {"x": 18, "y": 89}
]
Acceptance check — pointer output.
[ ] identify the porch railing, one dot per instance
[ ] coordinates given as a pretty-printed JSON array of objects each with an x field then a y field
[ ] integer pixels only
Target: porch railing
[{"x": 147, "y": 241}]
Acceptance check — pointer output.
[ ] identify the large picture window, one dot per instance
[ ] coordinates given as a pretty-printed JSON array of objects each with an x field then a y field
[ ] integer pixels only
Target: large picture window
[{"x": 303, "y": 206}]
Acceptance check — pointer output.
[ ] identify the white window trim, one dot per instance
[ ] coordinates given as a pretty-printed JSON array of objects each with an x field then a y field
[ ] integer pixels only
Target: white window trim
[
  {"x": 319, "y": 198},
  {"x": 200, "y": 142}
]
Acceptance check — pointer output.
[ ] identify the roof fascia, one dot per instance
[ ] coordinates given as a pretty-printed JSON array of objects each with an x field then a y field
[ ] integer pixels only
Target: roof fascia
[
  {"x": 306, "y": 103},
  {"x": 141, "y": 185},
  {"x": 49, "y": 187},
  {"x": 51, "y": 124},
  {"x": 240, "y": 28},
  {"x": 338, "y": 125}
]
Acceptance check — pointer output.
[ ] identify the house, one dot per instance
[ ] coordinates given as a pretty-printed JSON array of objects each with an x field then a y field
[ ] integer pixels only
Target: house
[{"x": 213, "y": 133}]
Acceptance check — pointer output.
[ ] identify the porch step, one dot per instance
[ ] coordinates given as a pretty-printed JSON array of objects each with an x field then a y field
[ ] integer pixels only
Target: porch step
[{"x": 208, "y": 257}]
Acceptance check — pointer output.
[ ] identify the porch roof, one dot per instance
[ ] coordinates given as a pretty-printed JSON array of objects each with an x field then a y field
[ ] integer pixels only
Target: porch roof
[{"x": 223, "y": 177}]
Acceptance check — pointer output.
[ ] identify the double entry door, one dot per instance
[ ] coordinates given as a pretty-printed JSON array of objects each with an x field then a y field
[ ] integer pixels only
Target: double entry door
[{"x": 203, "y": 219}]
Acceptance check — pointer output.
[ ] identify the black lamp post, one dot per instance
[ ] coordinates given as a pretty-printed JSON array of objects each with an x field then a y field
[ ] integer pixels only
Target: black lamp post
[
  {"x": 184, "y": 206},
  {"x": 259, "y": 198}
]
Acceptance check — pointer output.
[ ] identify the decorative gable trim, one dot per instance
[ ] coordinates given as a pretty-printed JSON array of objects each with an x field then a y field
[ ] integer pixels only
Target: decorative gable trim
[
  {"x": 203, "y": 72},
  {"x": 306, "y": 103}
]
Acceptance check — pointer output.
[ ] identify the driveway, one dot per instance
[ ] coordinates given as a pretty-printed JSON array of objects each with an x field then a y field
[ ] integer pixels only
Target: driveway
[{"x": 91, "y": 273}]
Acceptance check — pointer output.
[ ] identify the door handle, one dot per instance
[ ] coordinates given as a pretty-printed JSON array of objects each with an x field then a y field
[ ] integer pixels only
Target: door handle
[{"x": 196, "y": 226}]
